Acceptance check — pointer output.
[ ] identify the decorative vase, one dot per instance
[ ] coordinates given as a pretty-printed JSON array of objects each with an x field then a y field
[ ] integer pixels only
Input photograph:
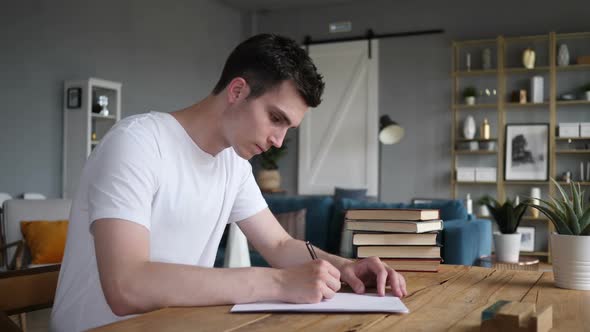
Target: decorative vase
[
  {"x": 470, "y": 100},
  {"x": 588, "y": 95},
  {"x": 269, "y": 179},
  {"x": 469, "y": 127},
  {"x": 507, "y": 247},
  {"x": 486, "y": 59},
  {"x": 571, "y": 261},
  {"x": 535, "y": 195},
  {"x": 563, "y": 56},
  {"x": 485, "y": 129},
  {"x": 528, "y": 58}
]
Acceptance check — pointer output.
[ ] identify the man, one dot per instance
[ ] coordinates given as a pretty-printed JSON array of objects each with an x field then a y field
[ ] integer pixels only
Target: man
[{"x": 158, "y": 191}]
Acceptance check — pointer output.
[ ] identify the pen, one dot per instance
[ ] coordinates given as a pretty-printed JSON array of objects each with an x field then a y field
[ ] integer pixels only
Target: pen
[{"x": 310, "y": 249}]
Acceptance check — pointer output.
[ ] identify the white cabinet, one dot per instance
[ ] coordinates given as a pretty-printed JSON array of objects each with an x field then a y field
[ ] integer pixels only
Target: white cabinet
[{"x": 85, "y": 124}]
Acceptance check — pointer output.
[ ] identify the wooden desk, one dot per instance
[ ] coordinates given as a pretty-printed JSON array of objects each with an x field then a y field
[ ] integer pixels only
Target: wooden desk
[{"x": 452, "y": 299}]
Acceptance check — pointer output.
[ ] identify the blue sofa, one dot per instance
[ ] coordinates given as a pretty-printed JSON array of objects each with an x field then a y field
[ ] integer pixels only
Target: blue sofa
[{"x": 464, "y": 238}]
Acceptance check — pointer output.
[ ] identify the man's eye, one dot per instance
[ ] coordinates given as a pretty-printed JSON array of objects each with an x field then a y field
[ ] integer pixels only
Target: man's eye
[{"x": 275, "y": 119}]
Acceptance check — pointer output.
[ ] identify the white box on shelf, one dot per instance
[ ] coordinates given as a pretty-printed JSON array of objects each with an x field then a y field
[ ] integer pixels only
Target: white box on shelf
[
  {"x": 466, "y": 174},
  {"x": 537, "y": 89},
  {"x": 485, "y": 174},
  {"x": 585, "y": 129},
  {"x": 569, "y": 129}
]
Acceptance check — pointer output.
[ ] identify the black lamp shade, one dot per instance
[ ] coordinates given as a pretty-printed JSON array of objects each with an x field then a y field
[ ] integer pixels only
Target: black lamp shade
[{"x": 389, "y": 131}]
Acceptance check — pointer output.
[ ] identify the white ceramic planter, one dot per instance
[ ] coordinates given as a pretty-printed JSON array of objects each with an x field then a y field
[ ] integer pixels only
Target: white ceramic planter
[
  {"x": 588, "y": 95},
  {"x": 470, "y": 100},
  {"x": 507, "y": 247},
  {"x": 571, "y": 261}
]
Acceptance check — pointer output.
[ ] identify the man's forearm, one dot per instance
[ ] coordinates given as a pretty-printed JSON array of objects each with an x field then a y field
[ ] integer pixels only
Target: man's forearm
[
  {"x": 294, "y": 252},
  {"x": 153, "y": 285}
]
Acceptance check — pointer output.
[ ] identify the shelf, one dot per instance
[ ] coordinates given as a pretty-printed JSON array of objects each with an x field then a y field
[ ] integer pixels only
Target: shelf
[
  {"x": 481, "y": 72},
  {"x": 526, "y": 70},
  {"x": 474, "y": 182},
  {"x": 526, "y": 105},
  {"x": 512, "y": 182},
  {"x": 476, "y": 140},
  {"x": 572, "y": 102},
  {"x": 102, "y": 117},
  {"x": 573, "y": 67},
  {"x": 474, "y": 152},
  {"x": 572, "y": 138},
  {"x": 94, "y": 142},
  {"x": 476, "y": 106},
  {"x": 572, "y": 151}
]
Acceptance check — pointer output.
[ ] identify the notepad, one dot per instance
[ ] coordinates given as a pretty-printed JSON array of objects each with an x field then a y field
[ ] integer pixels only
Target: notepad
[{"x": 341, "y": 302}]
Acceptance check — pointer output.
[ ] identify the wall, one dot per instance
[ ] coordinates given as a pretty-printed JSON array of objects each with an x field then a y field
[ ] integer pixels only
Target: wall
[
  {"x": 167, "y": 54},
  {"x": 414, "y": 81}
]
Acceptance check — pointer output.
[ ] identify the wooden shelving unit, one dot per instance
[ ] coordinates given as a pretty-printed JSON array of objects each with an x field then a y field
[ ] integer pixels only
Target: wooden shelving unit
[{"x": 507, "y": 68}]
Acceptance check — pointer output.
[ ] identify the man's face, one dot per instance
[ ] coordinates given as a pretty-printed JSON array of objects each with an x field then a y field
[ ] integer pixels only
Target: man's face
[{"x": 259, "y": 123}]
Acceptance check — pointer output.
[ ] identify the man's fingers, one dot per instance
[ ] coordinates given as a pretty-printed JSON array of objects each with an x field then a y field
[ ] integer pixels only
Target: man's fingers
[
  {"x": 377, "y": 267},
  {"x": 357, "y": 284},
  {"x": 333, "y": 283},
  {"x": 328, "y": 292},
  {"x": 395, "y": 284},
  {"x": 403, "y": 284}
]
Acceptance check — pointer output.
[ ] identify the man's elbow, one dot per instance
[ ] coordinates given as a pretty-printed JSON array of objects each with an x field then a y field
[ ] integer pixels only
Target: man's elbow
[{"x": 122, "y": 299}]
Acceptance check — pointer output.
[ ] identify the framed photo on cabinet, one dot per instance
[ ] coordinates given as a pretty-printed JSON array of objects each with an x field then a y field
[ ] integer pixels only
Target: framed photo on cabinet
[{"x": 526, "y": 152}]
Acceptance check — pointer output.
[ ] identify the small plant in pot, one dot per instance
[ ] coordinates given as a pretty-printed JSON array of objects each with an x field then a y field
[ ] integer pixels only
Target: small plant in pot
[
  {"x": 469, "y": 95},
  {"x": 507, "y": 216},
  {"x": 269, "y": 177},
  {"x": 570, "y": 244}
]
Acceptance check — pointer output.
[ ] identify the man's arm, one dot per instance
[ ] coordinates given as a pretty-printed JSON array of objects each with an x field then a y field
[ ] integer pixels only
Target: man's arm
[
  {"x": 282, "y": 251},
  {"x": 132, "y": 284}
]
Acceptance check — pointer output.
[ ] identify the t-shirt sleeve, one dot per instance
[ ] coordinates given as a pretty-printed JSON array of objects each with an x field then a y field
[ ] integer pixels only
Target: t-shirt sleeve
[
  {"x": 249, "y": 200},
  {"x": 123, "y": 177}
]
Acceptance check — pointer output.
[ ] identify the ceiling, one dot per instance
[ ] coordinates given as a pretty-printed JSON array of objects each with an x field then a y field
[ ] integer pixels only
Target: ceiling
[{"x": 262, "y": 5}]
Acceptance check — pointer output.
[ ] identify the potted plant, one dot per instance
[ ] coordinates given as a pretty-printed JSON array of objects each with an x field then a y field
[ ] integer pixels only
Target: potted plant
[
  {"x": 268, "y": 177},
  {"x": 586, "y": 90},
  {"x": 469, "y": 94},
  {"x": 507, "y": 216},
  {"x": 570, "y": 244}
]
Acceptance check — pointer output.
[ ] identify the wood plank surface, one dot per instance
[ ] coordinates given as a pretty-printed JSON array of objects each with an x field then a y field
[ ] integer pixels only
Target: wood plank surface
[{"x": 450, "y": 300}]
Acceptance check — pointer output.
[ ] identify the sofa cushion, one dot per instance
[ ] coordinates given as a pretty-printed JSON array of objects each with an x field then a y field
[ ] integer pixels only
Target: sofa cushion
[
  {"x": 340, "y": 193},
  {"x": 318, "y": 214}
]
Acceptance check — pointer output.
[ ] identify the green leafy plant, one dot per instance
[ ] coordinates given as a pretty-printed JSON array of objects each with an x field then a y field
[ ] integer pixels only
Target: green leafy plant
[
  {"x": 585, "y": 87},
  {"x": 469, "y": 91},
  {"x": 269, "y": 159},
  {"x": 507, "y": 215},
  {"x": 569, "y": 216}
]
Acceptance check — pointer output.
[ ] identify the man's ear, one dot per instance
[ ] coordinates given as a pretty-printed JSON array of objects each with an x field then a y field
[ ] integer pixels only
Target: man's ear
[{"x": 237, "y": 90}]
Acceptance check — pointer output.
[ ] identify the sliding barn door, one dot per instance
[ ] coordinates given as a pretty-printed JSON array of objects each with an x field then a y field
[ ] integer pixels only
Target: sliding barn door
[{"x": 338, "y": 143}]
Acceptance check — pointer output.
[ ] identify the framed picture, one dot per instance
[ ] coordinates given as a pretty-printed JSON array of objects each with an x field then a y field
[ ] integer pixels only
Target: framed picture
[
  {"x": 527, "y": 240},
  {"x": 74, "y": 97},
  {"x": 526, "y": 152}
]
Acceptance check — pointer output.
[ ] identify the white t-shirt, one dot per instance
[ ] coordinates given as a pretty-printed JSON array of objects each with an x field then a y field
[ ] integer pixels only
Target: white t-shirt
[{"x": 149, "y": 171}]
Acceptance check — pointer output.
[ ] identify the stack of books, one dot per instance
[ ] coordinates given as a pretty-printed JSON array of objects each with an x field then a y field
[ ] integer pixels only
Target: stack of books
[{"x": 405, "y": 239}]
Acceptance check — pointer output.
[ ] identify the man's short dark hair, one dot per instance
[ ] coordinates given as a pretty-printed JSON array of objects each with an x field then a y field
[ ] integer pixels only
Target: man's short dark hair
[{"x": 266, "y": 60}]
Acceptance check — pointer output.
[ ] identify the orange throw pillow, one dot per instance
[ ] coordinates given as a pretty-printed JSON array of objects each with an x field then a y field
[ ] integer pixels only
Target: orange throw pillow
[{"x": 46, "y": 240}]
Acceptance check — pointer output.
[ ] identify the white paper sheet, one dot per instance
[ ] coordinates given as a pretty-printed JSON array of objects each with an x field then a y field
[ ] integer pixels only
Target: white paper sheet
[{"x": 341, "y": 302}]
